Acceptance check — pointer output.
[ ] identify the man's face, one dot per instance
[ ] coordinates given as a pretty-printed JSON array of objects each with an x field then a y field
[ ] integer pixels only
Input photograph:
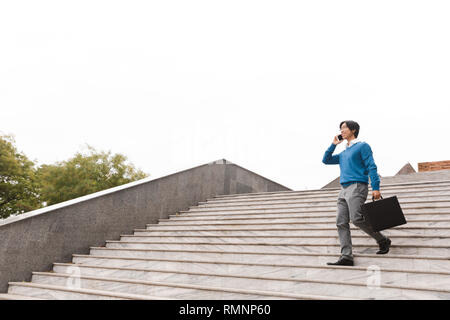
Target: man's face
[{"x": 345, "y": 131}]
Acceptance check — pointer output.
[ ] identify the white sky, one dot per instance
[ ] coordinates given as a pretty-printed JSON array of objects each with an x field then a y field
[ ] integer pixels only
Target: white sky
[{"x": 264, "y": 84}]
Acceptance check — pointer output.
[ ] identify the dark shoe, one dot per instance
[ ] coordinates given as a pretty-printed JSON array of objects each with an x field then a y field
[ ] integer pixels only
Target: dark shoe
[
  {"x": 341, "y": 262},
  {"x": 384, "y": 246}
]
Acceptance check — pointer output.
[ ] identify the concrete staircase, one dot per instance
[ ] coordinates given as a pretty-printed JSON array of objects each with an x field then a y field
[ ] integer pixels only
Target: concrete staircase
[{"x": 271, "y": 245}]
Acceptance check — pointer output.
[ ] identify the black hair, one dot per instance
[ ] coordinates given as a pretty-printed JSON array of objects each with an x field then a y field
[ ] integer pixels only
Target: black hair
[{"x": 352, "y": 125}]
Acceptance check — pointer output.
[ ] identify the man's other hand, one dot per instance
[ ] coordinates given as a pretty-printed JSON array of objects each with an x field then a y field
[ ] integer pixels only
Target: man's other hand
[{"x": 376, "y": 194}]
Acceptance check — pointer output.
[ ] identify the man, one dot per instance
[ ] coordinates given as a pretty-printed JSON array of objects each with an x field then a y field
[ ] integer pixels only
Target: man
[{"x": 356, "y": 164}]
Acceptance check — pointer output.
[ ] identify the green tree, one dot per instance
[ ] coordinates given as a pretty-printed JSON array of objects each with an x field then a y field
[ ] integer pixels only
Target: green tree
[
  {"x": 85, "y": 174},
  {"x": 19, "y": 190}
]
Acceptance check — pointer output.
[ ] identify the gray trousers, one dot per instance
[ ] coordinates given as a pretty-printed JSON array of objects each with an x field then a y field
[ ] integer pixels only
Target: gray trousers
[{"x": 349, "y": 203}]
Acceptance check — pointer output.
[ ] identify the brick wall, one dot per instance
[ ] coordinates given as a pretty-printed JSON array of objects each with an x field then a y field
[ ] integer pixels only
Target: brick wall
[{"x": 434, "y": 166}]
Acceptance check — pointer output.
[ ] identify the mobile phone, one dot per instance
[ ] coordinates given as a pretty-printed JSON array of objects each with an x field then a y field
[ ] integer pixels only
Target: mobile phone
[{"x": 340, "y": 137}]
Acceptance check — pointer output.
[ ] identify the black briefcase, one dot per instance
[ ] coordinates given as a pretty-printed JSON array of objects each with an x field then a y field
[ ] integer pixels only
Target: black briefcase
[{"x": 383, "y": 214}]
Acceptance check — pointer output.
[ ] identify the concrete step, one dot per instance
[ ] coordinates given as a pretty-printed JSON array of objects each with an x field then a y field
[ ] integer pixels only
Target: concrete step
[
  {"x": 302, "y": 211},
  {"x": 277, "y": 227},
  {"x": 63, "y": 292},
  {"x": 401, "y": 186},
  {"x": 287, "y": 221},
  {"x": 436, "y": 192},
  {"x": 325, "y": 239},
  {"x": 290, "y": 215},
  {"x": 359, "y": 246},
  {"x": 9, "y": 296},
  {"x": 314, "y": 201},
  {"x": 389, "y": 275},
  {"x": 302, "y": 233},
  {"x": 414, "y": 246},
  {"x": 324, "y": 193},
  {"x": 311, "y": 207},
  {"x": 390, "y": 286},
  {"x": 281, "y": 225},
  {"x": 403, "y": 238},
  {"x": 171, "y": 289},
  {"x": 388, "y": 261}
]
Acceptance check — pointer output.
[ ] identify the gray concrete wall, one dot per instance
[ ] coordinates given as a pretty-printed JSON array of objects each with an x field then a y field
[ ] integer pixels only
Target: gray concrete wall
[{"x": 38, "y": 239}]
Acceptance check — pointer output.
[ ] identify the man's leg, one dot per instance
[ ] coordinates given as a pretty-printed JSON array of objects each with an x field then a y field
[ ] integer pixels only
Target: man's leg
[
  {"x": 355, "y": 200},
  {"x": 343, "y": 227}
]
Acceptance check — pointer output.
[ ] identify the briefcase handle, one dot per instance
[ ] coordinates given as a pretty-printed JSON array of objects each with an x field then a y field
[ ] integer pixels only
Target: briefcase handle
[{"x": 373, "y": 199}]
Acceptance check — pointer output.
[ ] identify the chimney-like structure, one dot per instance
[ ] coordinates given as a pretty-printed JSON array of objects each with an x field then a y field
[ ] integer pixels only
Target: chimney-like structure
[
  {"x": 407, "y": 169},
  {"x": 434, "y": 166}
]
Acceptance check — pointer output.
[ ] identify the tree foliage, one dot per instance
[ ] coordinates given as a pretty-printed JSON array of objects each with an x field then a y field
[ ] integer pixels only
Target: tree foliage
[
  {"x": 19, "y": 190},
  {"x": 84, "y": 174},
  {"x": 25, "y": 187}
]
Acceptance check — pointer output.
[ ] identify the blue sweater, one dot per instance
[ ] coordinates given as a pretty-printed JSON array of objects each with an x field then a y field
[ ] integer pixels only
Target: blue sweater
[{"x": 356, "y": 163}]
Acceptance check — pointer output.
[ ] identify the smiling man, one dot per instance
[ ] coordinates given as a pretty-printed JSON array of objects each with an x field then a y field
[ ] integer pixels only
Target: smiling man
[{"x": 356, "y": 164}]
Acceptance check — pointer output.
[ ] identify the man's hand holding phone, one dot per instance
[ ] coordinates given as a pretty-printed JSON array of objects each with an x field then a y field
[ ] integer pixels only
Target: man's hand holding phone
[{"x": 336, "y": 139}]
